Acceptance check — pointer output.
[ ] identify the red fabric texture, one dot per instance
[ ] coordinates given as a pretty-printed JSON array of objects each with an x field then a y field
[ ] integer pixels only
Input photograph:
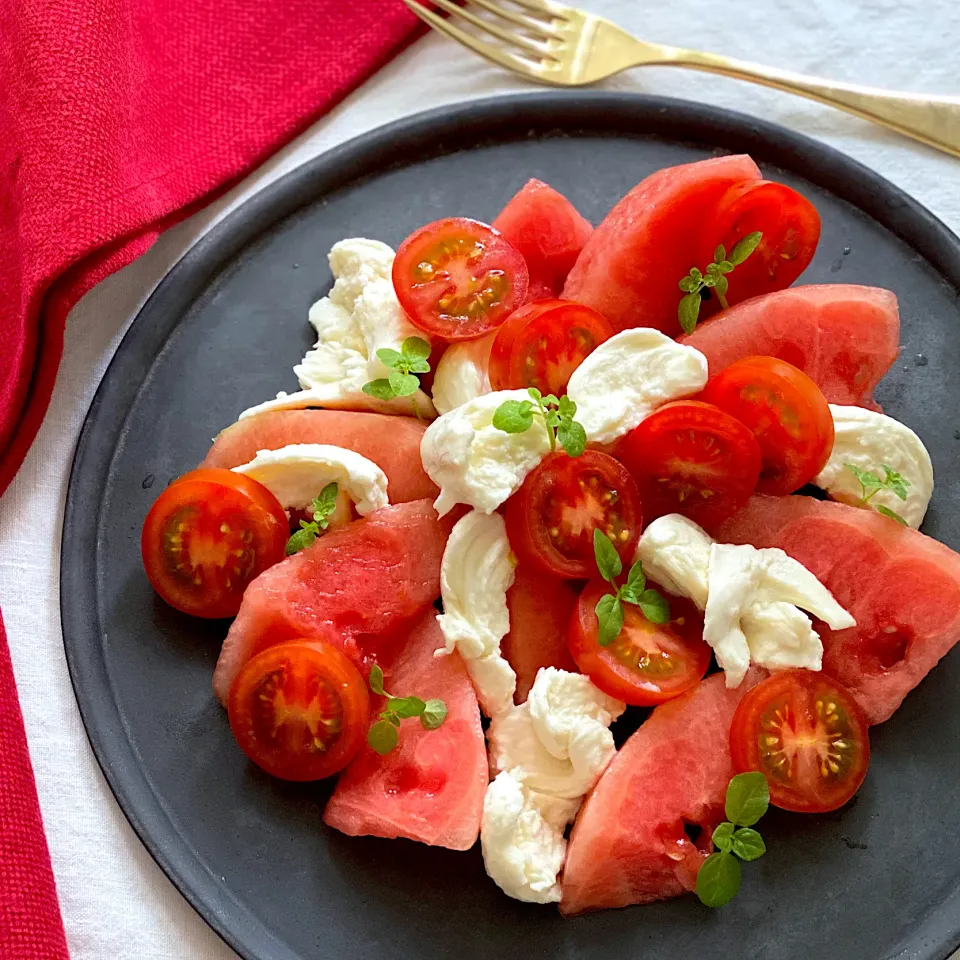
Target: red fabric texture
[
  {"x": 119, "y": 118},
  {"x": 30, "y": 927}
]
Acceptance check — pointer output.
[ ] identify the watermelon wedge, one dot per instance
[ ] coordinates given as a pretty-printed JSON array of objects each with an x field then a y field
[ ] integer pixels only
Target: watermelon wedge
[
  {"x": 632, "y": 263},
  {"x": 540, "y": 610},
  {"x": 431, "y": 787},
  {"x": 901, "y": 586},
  {"x": 645, "y": 829},
  {"x": 844, "y": 337},
  {"x": 354, "y": 587},
  {"x": 392, "y": 443},
  {"x": 547, "y": 229}
]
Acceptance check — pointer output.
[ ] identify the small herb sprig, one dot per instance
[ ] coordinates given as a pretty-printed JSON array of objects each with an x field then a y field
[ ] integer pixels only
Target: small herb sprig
[
  {"x": 871, "y": 485},
  {"x": 610, "y": 606},
  {"x": 383, "y": 735},
  {"x": 404, "y": 367},
  {"x": 309, "y": 530},
  {"x": 516, "y": 416},
  {"x": 748, "y": 797},
  {"x": 695, "y": 282}
]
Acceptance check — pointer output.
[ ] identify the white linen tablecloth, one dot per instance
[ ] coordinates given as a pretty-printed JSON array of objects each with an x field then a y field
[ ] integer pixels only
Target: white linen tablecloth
[{"x": 116, "y": 902}]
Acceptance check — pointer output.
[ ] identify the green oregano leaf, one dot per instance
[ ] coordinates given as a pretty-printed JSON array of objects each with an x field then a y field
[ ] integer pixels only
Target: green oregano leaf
[
  {"x": 609, "y": 619},
  {"x": 608, "y": 560},
  {"x": 718, "y": 881},
  {"x": 748, "y": 844},
  {"x": 748, "y": 797},
  {"x": 383, "y": 736}
]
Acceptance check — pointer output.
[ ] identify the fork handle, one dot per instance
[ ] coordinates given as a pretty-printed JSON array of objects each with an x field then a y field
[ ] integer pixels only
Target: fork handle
[{"x": 931, "y": 120}]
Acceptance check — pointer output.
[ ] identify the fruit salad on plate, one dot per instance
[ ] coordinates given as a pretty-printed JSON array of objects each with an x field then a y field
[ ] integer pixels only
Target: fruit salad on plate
[{"x": 538, "y": 475}]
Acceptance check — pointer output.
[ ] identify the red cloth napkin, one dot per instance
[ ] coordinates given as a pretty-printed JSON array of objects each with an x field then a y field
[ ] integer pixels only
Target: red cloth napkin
[
  {"x": 30, "y": 927},
  {"x": 119, "y": 118}
]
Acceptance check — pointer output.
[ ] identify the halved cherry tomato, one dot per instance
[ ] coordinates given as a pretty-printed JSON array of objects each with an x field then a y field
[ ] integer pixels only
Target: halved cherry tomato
[
  {"x": 648, "y": 662},
  {"x": 207, "y": 536},
  {"x": 787, "y": 413},
  {"x": 807, "y": 735},
  {"x": 689, "y": 457},
  {"x": 791, "y": 231},
  {"x": 551, "y": 518},
  {"x": 542, "y": 343},
  {"x": 300, "y": 710},
  {"x": 458, "y": 279}
]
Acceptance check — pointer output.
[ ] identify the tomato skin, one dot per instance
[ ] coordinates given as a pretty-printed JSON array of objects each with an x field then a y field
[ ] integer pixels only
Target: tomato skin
[
  {"x": 820, "y": 714},
  {"x": 790, "y": 226},
  {"x": 542, "y": 343},
  {"x": 562, "y": 491},
  {"x": 200, "y": 568},
  {"x": 690, "y": 457},
  {"x": 787, "y": 413},
  {"x": 684, "y": 657},
  {"x": 314, "y": 683},
  {"x": 458, "y": 279}
]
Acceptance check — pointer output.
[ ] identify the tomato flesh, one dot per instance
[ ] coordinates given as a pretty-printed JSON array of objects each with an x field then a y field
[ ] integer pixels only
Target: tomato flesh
[
  {"x": 542, "y": 343},
  {"x": 300, "y": 710},
  {"x": 787, "y": 413},
  {"x": 207, "y": 536},
  {"x": 691, "y": 458},
  {"x": 807, "y": 735},
  {"x": 791, "y": 231},
  {"x": 458, "y": 279},
  {"x": 647, "y": 663},
  {"x": 551, "y": 518}
]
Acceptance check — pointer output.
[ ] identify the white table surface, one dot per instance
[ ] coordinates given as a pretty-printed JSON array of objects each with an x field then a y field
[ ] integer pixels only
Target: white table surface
[{"x": 116, "y": 902}]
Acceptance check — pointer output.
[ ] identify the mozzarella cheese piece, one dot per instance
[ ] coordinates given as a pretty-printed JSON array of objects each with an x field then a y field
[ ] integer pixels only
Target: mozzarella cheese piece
[
  {"x": 360, "y": 315},
  {"x": 753, "y": 600},
  {"x": 628, "y": 376},
  {"x": 514, "y": 746},
  {"x": 476, "y": 571},
  {"x": 567, "y": 711},
  {"x": 297, "y": 473},
  {"x": 742, "y": 579},
  {"x": 780, "y": 635},
  {"x": 868, "y": 440},
  {"x": 558, "y": 742},
  {"x": 548, "y": 753},
  {"x": 675, "y": 552},
  {"x": 462, "y": 373},
  {"x": 475, "y": 574},
  {"x": 475, "y": 463},
  {"x": 521, "y": 835},
  {"x": 494, "y": 681}
]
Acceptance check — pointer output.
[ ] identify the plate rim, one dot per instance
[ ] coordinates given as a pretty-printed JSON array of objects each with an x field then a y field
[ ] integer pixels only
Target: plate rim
[{"x": 549, "y": 112}]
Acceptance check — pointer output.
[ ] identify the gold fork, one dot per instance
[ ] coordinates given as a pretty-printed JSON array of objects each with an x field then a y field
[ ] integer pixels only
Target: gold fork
[{"x": 566, "y": 47}]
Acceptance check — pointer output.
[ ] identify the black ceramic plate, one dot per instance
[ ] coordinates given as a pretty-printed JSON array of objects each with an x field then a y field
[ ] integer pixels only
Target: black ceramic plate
[{"x": 878, "y": 879}]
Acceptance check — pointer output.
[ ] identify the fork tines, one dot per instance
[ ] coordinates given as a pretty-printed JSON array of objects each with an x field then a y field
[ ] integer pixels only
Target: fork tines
[{"x": 529, "y": 43}]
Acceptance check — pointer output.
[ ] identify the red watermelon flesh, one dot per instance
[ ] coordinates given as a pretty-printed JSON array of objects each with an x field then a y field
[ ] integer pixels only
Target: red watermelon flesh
[
  {"x": 547, "y": 229},
  {"x": 844, "y": 337},
  {"x": 540, "y": 610},
  {"x": 431, "y": 787},
  {"x": 355, "y": 585},
  {"x": 630, "y": 842},
  {"x": 632, "y": 263},
  {"x": 392, "y": 443},
  {"x": 901, "y": 586}
]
